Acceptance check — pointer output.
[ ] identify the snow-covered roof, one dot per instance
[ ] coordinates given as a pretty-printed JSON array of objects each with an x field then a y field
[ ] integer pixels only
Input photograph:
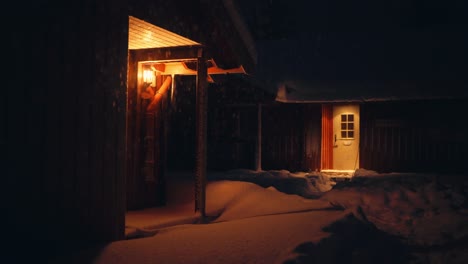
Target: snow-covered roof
[
  {"x": 298, "y": 91},
  {"x": 346, "y": 67}
]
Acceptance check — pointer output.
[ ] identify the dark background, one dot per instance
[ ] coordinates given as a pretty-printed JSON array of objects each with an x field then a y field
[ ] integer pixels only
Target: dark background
[{"x": 353, "y": 40}]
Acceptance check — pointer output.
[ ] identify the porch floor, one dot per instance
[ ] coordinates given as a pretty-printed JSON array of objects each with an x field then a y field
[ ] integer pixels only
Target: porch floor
[{"x": 179, "y": 208}]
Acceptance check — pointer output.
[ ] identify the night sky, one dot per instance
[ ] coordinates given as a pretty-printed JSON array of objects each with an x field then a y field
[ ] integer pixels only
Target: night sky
[{"x": 355, "y": 40}]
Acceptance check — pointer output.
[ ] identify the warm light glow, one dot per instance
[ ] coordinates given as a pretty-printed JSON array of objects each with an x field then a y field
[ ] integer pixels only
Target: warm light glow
[
  {"x": 144, "y": 35},
  {"x": 148, "y": 76},
  {"x": 157, "y": 96}
]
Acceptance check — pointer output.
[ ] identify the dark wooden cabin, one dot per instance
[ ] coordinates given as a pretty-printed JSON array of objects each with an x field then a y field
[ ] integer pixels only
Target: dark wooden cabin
[
  {"x": 72, "y": 120},
  {"x": 402, "y": 131}
]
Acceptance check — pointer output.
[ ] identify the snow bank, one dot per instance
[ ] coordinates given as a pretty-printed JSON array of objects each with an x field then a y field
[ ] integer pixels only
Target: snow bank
[
  {"x": 260, "y": 217},
  {"x": 308, "y": 185},
  {"x": 423, "y": 210},
  {"x": 226, "y": 200}
]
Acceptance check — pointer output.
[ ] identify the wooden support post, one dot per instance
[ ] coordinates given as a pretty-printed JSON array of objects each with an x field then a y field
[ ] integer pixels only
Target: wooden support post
[
  {"x": 258, "y": 150},
  {"x": 201, "y": 127}
]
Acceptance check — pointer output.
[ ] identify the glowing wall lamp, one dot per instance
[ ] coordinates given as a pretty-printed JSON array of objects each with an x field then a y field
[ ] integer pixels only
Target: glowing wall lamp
[{"x": 149, "y": 77}]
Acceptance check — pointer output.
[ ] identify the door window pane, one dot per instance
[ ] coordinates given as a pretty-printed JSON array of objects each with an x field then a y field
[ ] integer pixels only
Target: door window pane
[{"x": 347, "y": 126}]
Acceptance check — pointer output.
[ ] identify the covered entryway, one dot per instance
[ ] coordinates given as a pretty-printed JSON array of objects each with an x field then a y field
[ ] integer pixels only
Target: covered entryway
[
  {"x": 156, "y": 56},
  {"x": 157, "y": 60}
]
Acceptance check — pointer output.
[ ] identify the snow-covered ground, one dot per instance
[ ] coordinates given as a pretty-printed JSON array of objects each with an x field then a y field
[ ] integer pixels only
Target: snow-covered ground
[{"x": 284, "y": 217}]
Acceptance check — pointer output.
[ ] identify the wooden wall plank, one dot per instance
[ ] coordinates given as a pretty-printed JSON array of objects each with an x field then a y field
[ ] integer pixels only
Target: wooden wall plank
[
  {"x": 414, "y": 136},
  {"x": 327, "y": 137},
  {"x": 71, "y": 126}
]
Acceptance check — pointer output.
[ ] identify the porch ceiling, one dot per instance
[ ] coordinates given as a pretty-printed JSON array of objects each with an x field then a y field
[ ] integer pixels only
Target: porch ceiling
[{"x": 143, "y": 35}]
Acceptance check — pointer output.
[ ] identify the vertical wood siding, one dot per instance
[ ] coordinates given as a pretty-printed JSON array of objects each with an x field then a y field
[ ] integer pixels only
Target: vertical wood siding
[
  {"x": 134, "y": 184},
  {"x": 291, "y": 137},
  {"x": 181, "y": 139},
  {"x": 312, "y": 136},
  {"x": 231, "y": 137},
  {"x": 327, "y": 137},
  {"x": 145, "y": 191},
  {"x": 414, "y": 136},
  {"x": 233, "y": 122},
  {"x": 146, "y": 144},
  {"x": 66, "y": 127}
]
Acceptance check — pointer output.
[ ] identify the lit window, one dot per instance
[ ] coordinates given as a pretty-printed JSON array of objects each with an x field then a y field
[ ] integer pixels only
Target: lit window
[{"x": 347, "y": 126}]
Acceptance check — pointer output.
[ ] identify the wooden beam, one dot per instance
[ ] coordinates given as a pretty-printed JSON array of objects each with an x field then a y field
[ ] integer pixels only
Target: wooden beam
[
  {"x": 157, "y": 96},
  {"x": 168, "y": 54},
  {"x": 201, "y": 127},
  {"x": 258, "y": 150},
  {"x": 216, "y": 70},
  {"x": 160, "y": 67}
]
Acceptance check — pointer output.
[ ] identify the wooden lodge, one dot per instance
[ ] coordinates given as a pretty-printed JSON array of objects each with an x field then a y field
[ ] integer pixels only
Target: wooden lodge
[{"x": 97, "y": 110}]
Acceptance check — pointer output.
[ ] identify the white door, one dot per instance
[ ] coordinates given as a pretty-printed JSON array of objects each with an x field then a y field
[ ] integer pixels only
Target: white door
[{"x": 346, "y": 137}]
